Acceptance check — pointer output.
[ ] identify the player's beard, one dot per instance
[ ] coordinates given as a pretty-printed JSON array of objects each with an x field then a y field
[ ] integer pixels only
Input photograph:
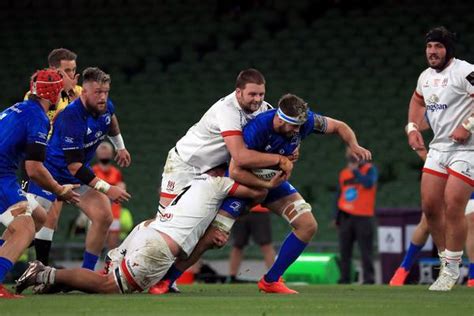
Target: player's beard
[
  {"x": 252, "y": 107},
  {"x": 95, "y": 109},
  {"x": 440, "y": 63}
]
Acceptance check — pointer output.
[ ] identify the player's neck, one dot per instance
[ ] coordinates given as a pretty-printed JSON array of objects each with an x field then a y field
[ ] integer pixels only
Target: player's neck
[{"x": 44, "y": 104}]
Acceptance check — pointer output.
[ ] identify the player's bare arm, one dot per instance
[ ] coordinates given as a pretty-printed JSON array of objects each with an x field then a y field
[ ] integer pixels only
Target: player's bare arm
[
  {"x": 246, "y": 158},
  {"x": 416, "y": 122},
  {"x": 115, "y": 193},
  {"x": 246, "y": 177},
  {"x": 38, "y": 173},
  {"x": 122, "y": 158},
  {"x": 462, "y": 133},
  {"x": 348, "y": 136}
]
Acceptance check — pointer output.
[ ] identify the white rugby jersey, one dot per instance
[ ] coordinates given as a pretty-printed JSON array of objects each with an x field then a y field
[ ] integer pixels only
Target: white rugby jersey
[
  {"x": 187, "y": 217},
  {"x": 449, "y": 100},
  {"x": 203, "y": 146}
]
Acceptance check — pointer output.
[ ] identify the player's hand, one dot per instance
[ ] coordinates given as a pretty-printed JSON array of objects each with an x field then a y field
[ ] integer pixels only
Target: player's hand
[
  {"x": 117, "y": 194},
  {"x": 295, "y": 155},
  {"x": 69, "y": 83},
  {"x": 415, "y": 140},
  {"x": 123, "y": 158},
  {"x": 422, "y": 153},
  {"x": 360, "y": 153},
  {"x": 219, "y": 238},
  {"x": 67, "y": 193},
  {"x": 277, "y": 179},
  {"x": 460, "y": 135},
  {"x": 286, "y": 166}
]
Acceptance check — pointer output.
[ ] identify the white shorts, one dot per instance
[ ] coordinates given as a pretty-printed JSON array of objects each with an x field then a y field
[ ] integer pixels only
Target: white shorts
[
  {"x": 176, "y": 175},
  {"x": 470, "y": 207},
  {"x": 144, "y": 262},
  {"x": 455, "y": 163}
]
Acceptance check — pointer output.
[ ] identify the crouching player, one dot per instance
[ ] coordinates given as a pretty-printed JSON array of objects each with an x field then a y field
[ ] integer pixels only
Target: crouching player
[
  {"x": 152, "y": 247},
  {"x": 276, "y": 131}
]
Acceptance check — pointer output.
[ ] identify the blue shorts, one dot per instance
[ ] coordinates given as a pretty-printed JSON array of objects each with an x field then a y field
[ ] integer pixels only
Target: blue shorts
[
  {"x": 236, "y": 207},
  {"x": 10, "y": 192},
  {"x": 35, "y": 189}
]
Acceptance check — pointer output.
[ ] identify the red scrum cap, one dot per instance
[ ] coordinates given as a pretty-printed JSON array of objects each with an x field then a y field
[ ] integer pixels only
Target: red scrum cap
[{"x": 46, "y": 84}]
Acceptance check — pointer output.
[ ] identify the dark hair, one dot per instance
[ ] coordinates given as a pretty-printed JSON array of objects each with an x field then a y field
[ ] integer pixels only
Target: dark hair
[
  {"x": 94, "y": 74},
  {"x": 249, "y": 76},
  {"x": 293, "y": 105},
  {"x": 58, "y": 54}
]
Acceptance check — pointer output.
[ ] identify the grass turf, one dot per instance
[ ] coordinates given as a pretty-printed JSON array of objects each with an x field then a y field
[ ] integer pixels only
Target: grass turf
[{"x": 246, "y": 300}]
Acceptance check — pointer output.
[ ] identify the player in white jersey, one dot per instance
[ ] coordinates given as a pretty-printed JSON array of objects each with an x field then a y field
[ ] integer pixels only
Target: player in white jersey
[
  {"x": 444, "y": 95},
  {"x": 218, "y": 136},
  {"x": 150, "y": 249}
]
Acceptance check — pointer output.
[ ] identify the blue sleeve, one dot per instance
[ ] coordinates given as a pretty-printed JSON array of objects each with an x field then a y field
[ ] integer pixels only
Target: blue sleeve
[
  {"x": 110, "y": 107},
  {"x": 71, "y": 129},
  {"x": 369, "y": 180},
  {"x": 37, "y": 129},
  {"x": 254, "y": 136}
]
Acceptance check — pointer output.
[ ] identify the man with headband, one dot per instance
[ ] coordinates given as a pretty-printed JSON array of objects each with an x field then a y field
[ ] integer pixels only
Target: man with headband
[
  {"x": 278, "y": 131},
  {"x": 444, "y": 95}
]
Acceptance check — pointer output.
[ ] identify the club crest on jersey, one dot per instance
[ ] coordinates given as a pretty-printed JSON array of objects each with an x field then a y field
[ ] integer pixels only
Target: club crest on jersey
[
  {"x": 170, "y": 186},
  {"x": 445, "y": 82},
  {"x": 165, "y": 217},
  {"x": 98, "y": 134}
]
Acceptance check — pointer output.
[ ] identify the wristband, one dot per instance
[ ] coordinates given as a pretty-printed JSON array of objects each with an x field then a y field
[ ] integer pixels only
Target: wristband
[
  {"x": 469, "y": 125},
  {"x": 117, "y": 140},
  {"x": 411, "y": 127},
  {"x": 102, "y": 186}
]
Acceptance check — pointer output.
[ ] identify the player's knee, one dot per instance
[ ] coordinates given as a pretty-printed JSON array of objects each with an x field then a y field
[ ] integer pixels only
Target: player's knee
[
  {"x": 39, "y": 217},
  {"x": 23, "y": 225}
]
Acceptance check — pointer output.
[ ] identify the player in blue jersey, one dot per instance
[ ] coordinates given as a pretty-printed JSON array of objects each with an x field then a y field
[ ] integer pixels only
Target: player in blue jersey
[
  {"x": 77, "y": 131},
  {"x": 276, "y": 131},
  {"x": 23, "y": 136}
]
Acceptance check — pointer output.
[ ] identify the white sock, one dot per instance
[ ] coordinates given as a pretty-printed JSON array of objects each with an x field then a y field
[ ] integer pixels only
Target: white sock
[
  {"x": 453, "y": 259},
  {"x": 45, "y": 233}
]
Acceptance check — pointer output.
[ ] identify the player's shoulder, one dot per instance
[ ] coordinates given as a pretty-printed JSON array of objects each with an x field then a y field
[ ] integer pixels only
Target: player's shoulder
[{"x": 462, "y": 67}]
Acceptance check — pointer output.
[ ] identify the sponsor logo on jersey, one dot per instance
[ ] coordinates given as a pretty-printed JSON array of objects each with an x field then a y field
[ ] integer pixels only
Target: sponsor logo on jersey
[
  {"x": 68, "y": 139},
  {"x": 107, "y": 119},
  {"x": 165, "y": 217},
  {"x": 433, "y": 105}
]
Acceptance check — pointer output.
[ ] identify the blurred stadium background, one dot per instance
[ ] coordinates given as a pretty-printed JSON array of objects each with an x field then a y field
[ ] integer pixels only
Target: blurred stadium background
[{"x": 170, "y": 60}]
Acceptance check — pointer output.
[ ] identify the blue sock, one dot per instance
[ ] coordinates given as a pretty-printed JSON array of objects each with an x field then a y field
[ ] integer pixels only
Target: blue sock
[
  {"x": 5, "y": 266},
  {"x": 2, "y": 242},
  {"x": 290, "y": 250},
  {"x": 173, "y": 274},
  {"x": 471, "y": 270},
  {"x": 410, "y": 256},
  {"x": 89, "y": 261}
]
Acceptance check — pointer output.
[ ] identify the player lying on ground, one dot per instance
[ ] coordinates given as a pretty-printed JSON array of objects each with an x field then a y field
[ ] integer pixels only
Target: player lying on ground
[
  {"x": 276, "y": 131},
  {"x": 151, "y": 248}
]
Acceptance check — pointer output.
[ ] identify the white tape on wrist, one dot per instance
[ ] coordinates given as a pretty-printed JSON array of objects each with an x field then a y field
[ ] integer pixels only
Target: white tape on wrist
[
  {"x": 223, "y": 223},
  {"x": 411, "y": 127},
  {"x": 469, "y": 125},
  {"x": 117, "y": 140},
  {"x": 102, "y": 186}
]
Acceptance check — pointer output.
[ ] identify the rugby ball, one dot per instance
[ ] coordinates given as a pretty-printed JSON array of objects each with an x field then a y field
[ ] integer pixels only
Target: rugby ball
[{"x": 265, "y": 174}]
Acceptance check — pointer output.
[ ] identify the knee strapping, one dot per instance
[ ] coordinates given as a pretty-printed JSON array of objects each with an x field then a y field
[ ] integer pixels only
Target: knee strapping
[
  {"x": 22, "y": 208},
  {"x": 294, "y": 209}
]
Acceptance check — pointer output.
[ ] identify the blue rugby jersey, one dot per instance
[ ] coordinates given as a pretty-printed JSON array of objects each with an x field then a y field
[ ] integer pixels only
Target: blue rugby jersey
[
  {"x": 76, "y": 128},
  {"x": 21, "y": 124}
]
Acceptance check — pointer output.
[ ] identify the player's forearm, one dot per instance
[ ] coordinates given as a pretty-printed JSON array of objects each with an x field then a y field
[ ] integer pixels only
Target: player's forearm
[
  {"x": 253, "y": 159},
  {"x": 246, "y": 177},
  {"x": 39, "y": 174},
  {"x": 346, "y": 134}
]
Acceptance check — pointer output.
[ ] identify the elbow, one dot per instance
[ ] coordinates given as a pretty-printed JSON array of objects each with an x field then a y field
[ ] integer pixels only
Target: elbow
[{"x": 73, "y": 167}]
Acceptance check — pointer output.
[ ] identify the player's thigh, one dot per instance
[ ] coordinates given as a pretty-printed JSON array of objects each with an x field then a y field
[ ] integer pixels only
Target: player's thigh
[
  {"x": 457, "y": 194},
  {"x": 432, "y": 192},
  {"x": 260, "y": 227},
  {"x": 14, "y": 201},
  {"x": 95, "y": 205},
  {"x": 146, "y": 261}
]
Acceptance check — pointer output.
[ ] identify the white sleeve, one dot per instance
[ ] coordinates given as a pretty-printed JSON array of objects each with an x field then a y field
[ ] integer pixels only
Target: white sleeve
[
  {"x": 467, "y": 82},
  {"x": 419, "y": 84},
  {"x": 228, "y": 120},
  {"x": 223, "y": 185}
]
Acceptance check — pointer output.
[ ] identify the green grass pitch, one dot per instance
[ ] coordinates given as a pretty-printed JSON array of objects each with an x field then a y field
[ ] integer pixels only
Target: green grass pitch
[{"x": 246, "y": 300}]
